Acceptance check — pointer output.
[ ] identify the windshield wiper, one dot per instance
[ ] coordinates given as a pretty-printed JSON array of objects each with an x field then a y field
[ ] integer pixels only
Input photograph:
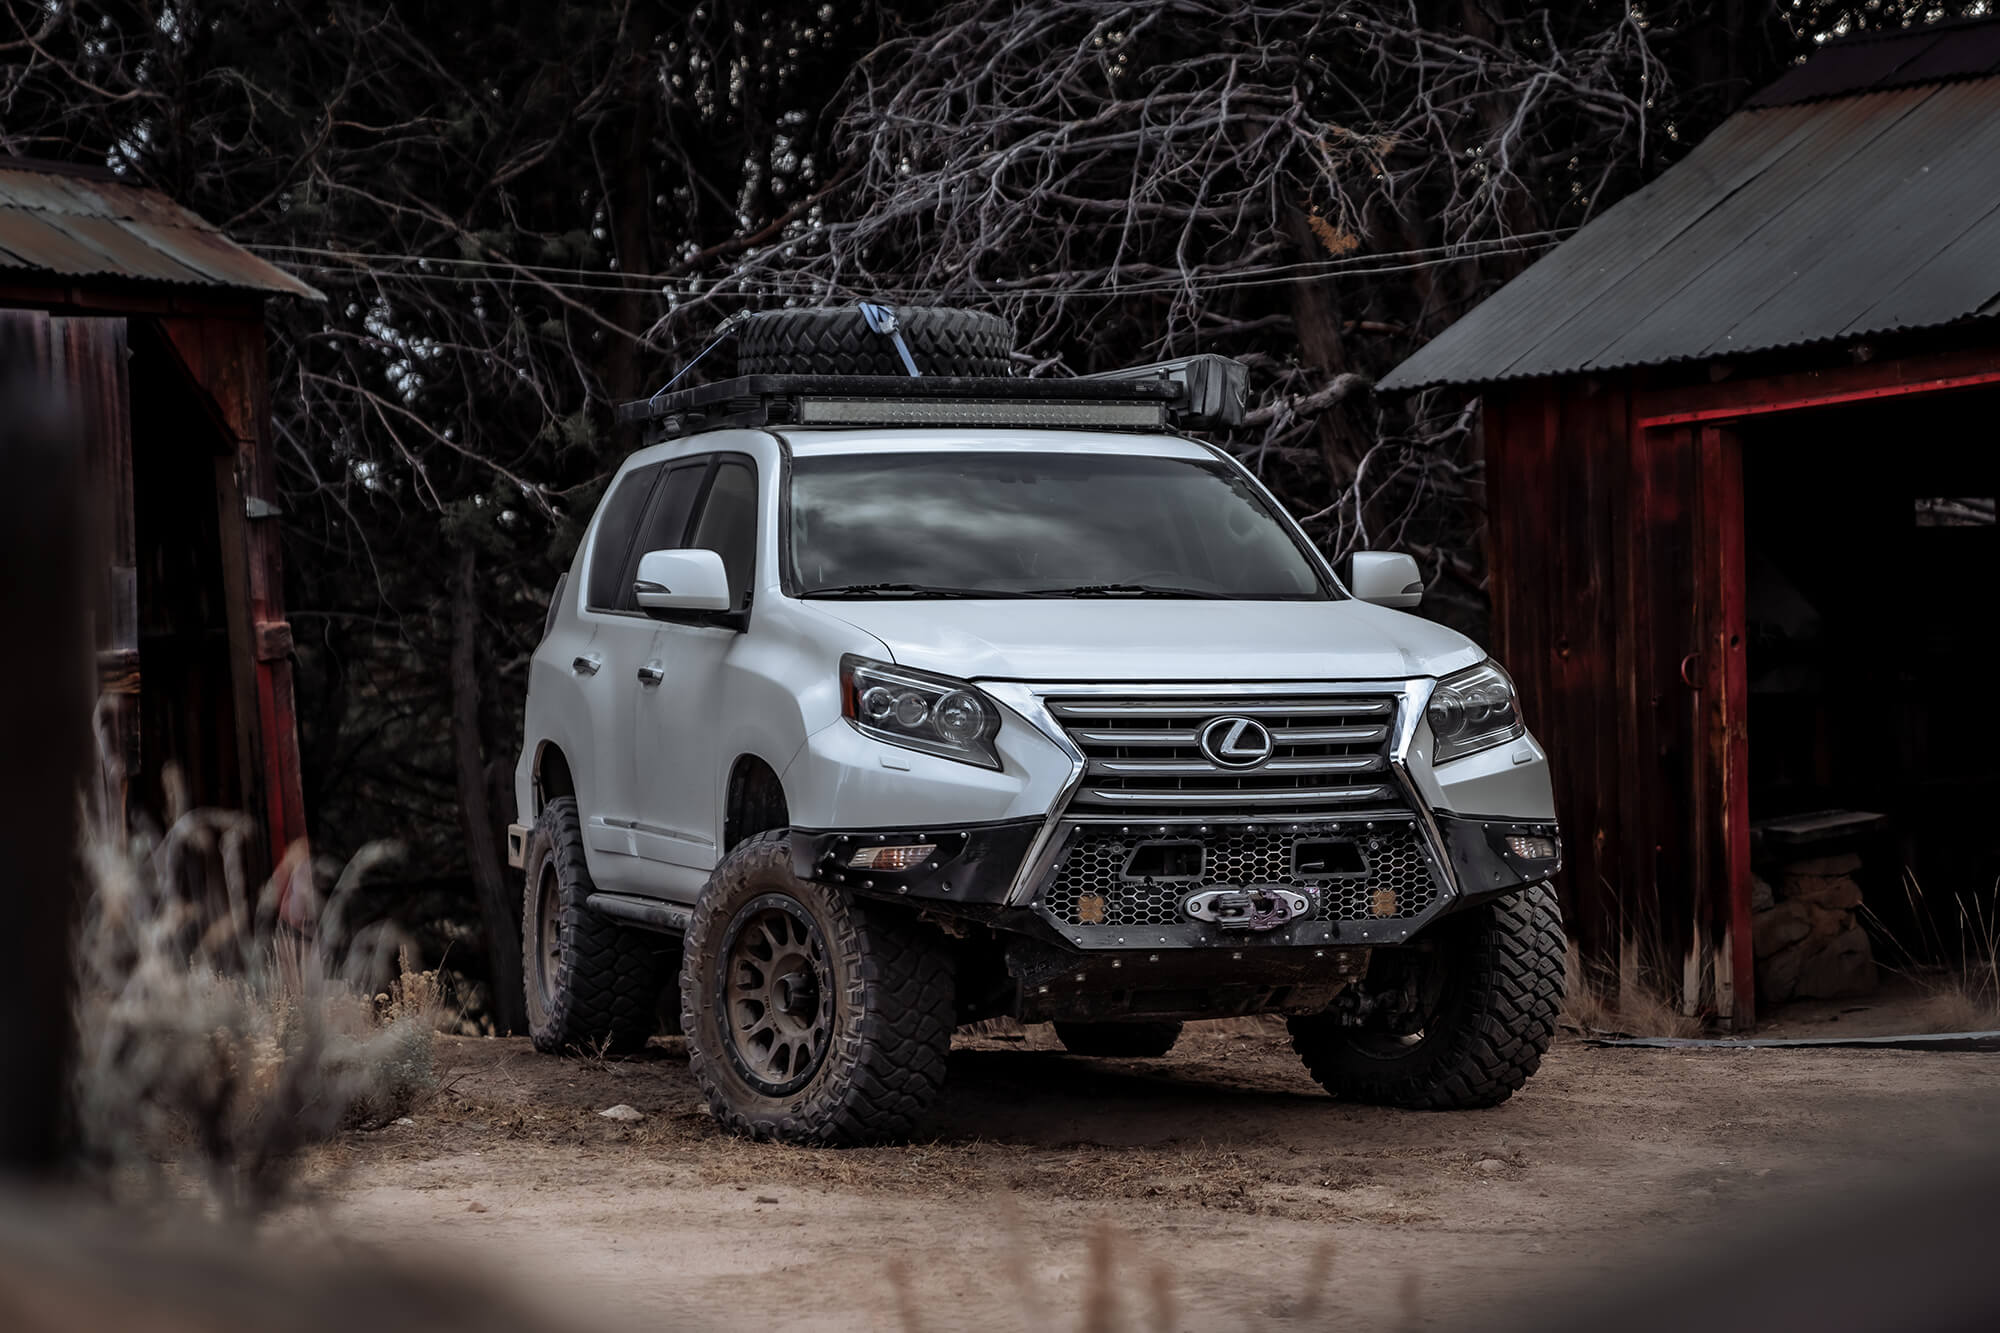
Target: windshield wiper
[
  {"x": 1127, "y": 590},
  {"x": 909, "y": 590}
]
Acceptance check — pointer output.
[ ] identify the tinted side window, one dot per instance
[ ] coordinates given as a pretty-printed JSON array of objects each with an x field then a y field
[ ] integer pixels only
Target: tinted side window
[
  {"x": 664, "y": 527},
  {"x": 615, "y": 527},
  {"x": 728, "y": 525}
]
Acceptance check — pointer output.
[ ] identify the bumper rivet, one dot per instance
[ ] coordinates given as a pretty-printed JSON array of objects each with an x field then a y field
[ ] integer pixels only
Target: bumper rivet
[
  {"x": 1152, "y": 958},
  {"x": 1117, "y": 962},
  {"x": 1079, "y": 976},
  {"x": 1238, "y": 955},
  {"x": 1041, "y": 990}
]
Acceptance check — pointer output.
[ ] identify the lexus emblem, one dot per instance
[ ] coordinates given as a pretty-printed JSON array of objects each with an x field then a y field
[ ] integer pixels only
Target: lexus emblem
[{"x": 1236, "y": 742}]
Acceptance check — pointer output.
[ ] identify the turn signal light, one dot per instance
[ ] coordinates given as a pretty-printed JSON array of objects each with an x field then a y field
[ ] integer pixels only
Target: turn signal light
[
  {"x": 1532, "y": 848},
  {"x": 891, "y": 858}
]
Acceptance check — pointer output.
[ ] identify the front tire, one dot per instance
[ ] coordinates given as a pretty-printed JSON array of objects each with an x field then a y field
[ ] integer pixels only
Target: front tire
[
  {"x": 593, "y": 985},
  {"x": 1116, "y": 1041},
  {"x": 811, "y": 1017},
  {"x": 1496, "y": 983}
]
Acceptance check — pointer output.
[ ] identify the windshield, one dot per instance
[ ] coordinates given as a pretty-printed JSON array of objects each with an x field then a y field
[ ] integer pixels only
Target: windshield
[{"x": 970, "y": 524}]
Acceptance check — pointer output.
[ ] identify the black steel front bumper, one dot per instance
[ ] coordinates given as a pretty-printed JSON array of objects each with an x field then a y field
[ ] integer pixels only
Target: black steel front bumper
[{"x": 975, "y": 868}]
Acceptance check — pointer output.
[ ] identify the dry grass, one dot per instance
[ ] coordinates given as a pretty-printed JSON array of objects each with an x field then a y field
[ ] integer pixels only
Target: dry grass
[
  {"x": 215, "y": 1042},
  {"x": 1126, "y": 1290},
  {"x": 1964, "y": 994},
  {"x": 1627, "y": 1002}
]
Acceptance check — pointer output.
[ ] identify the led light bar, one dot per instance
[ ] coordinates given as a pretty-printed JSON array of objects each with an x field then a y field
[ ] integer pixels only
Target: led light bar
[{"x": 979, "y": 412}]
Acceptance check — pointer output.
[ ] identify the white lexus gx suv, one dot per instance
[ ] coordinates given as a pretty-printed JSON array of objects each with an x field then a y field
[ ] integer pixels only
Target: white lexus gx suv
[{"x": 879, "y": 702}]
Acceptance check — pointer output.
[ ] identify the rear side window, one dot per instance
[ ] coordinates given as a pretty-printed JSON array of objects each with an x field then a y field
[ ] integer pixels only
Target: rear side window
[
  {"x": 611, "y": 548},
  {"x": 728, "y": 525}
]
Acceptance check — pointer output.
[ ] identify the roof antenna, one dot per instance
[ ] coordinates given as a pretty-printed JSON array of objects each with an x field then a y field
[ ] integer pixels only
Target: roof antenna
[{"x": 882, "y": 319}]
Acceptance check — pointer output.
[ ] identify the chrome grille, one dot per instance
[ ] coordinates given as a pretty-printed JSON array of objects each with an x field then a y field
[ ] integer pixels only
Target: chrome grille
[
  {"x": 1143, "y": 757},
  {"x": 1090, "y": 886}
]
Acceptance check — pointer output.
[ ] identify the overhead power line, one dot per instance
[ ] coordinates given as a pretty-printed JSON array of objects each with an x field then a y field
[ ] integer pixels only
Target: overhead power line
[{"x": 483, "y": 272}]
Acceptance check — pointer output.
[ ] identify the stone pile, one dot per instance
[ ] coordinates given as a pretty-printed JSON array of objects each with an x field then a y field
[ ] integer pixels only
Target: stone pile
[{"x": 1807, "y": 934}]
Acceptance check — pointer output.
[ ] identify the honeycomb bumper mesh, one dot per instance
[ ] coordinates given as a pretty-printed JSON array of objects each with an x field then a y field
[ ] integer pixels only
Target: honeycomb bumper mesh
[{"x": 1089, "y": 888}]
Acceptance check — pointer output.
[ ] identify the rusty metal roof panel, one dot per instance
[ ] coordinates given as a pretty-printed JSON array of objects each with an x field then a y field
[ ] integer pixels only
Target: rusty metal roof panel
[
  {"x": 1796, "y": 224},
  {"x": 77, "y": 224},
  {"x": 27, "y": 242}
]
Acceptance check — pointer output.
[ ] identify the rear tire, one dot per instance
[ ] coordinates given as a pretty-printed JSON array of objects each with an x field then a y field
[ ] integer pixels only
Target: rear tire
[
  {"x": 810, "y": 1016},
  {"x": 1498, "y": 996},
  {"x": 838, "y": 341},
  {"x": 593, "y": 985},
  {"x": 1127, "y": 1041}
]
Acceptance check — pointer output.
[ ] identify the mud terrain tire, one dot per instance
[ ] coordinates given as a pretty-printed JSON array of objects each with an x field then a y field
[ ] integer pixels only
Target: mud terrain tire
[
  {"x": 847, "y": 1043},
  {"x": 1130, "y": 1041},
  {"x": 1492, "y": 1024},
  {"x": 595, "y": 986},
  {"x": 838, "y": 341}
]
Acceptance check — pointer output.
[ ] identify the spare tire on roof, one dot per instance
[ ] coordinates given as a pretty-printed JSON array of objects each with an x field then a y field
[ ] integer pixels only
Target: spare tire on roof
[{"x": 838, "y": 341}]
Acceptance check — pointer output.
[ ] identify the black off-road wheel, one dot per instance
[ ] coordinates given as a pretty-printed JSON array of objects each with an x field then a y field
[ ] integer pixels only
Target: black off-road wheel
[
  {"x": 593, "y": 985},
  {"x": 1492, "y": 988},
  {"x": 811, "y": 1017},
  {"x": 1131, "y": 1041},
  {"x": 838, "y": 341}
]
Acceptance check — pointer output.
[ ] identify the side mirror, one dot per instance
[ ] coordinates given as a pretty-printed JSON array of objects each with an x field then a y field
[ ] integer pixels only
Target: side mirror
[
  {"x": 681, "y": 581},
  {"x": 1387, "y": 579}
]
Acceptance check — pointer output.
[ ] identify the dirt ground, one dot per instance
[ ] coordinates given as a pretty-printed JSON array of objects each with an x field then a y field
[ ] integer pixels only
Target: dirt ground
[{"x": 1215, "y": 1188}]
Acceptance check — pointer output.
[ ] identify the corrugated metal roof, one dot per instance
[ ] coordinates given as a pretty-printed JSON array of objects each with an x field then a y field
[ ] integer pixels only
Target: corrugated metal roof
[
  {"x": 80, "y": 224},
  {"x": 1798, "y": 223}
]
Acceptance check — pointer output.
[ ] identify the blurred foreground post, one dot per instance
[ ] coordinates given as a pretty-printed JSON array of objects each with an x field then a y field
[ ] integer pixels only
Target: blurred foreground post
[{"x": 47, "y": 675}]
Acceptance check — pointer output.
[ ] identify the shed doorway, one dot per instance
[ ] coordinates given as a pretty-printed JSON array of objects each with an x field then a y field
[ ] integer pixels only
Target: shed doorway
[
  {"x": 1870, "y": 560},
  {"x": 182, "y": 464}
]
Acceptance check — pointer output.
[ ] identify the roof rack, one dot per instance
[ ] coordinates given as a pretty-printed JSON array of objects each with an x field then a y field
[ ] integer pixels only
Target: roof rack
[{"x": 1193, "y": 393}]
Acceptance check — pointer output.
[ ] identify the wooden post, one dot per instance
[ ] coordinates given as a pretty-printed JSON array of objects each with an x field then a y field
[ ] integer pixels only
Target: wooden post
[
  {"x": 47, "y": 680},
  {"x": 1722, "y": 923}
]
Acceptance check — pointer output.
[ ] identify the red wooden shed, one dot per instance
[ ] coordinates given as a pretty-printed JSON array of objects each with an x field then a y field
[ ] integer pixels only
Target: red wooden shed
[
  {"x": 149, "y": 323},
  {"x": 1740, "y": 457}
]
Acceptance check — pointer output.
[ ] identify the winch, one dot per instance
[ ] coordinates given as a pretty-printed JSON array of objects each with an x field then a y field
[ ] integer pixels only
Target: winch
[{"x": 1246, "y": 907}]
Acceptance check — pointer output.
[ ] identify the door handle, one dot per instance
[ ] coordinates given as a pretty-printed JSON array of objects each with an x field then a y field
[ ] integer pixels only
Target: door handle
[
  {"x": 586, "y": 664},
  {"x": 652, "y": 673}
]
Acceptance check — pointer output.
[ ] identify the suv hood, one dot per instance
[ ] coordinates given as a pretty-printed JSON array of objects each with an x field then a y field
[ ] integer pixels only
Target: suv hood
[{"x": 1089, "y": 639}]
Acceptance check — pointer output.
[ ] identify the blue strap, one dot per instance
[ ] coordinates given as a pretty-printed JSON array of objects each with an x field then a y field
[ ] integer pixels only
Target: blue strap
[{"x": 881, "y": 319}]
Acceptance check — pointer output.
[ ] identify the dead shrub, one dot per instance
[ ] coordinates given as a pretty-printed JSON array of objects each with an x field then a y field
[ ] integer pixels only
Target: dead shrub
[{"x": 215, "y": 1041}]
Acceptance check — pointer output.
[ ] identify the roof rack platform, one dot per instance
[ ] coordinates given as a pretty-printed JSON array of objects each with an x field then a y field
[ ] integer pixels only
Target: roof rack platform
[{"x": 1202, "y": 391}]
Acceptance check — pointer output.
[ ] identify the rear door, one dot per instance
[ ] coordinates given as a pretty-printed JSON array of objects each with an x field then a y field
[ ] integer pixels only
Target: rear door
[{"x": 620, "y": 637}]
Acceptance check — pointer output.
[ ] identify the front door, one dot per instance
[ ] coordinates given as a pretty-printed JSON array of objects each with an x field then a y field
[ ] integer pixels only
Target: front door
[{"x": 681, "y": 691}]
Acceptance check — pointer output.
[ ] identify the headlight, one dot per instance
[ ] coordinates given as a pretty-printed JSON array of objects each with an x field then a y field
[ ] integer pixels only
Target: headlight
[
  {"x": 1473, "y": 711},
  {"x": 915, "y": 709}
]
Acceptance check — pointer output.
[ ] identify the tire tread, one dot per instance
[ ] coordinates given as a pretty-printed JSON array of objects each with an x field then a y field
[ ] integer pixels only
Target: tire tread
[
  {"x": 1506, "y": 1023},
  {"x": 609, "y": 985},
  {"x": 886, "y": 1067}
]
